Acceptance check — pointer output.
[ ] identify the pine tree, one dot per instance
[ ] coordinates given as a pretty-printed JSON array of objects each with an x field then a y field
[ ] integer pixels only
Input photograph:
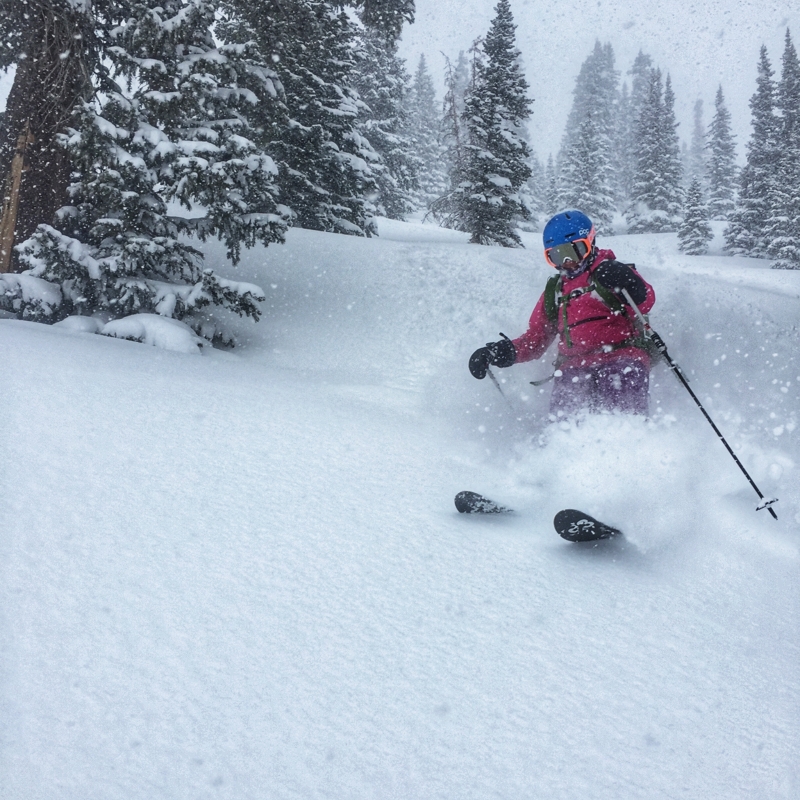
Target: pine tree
[
  {"x": 587, "y": 173},
  {"x": 325, "y": 162},
  {"x": 386, "y": 16},
  {"x": 383, "y": 85},
  {"x": 721, "y": 172},
  {"x": 694, "y": 233},
  {"x": 641, "y": 75},
  {"x": 56, "y": 47},
  {"x": 533, "y": 193},
  {"x": 452, "y": 133},
  {"x": 587, "y": 152},
  {"x": 446, "y": 209},
  {"x": 496, "y": 154},
  {"x": 424, "y": 126},
  {"x": 179, "y": 136},
  {"x": 621, "y": 139},
  {"x": 657, "y": 197},
  {"x": 673, "y": 169},
  {"x": 697, "y": 156},
  {"x": 551, "y": 196},
  {"x": 628, "y": 120},
  {"x": 686, "y": 165},
  {"x": 746, "y": 233},
  {"x": 784, "y": 222},
  {"x": 645, "y": 190}
]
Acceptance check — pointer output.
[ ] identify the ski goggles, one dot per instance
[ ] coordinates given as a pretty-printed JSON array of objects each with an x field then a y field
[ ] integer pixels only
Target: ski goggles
[{"x": 569, "y": 251}]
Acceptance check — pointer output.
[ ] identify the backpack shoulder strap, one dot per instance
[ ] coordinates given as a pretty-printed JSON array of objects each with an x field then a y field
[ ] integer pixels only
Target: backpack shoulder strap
[
  {"x": 550, "y": 303},
  {"x": 608, "y": 297}
]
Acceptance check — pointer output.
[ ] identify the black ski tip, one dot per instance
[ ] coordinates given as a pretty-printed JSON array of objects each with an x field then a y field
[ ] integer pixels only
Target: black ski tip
[
  {"x": 577, "y": 526},
  {"x": 474, "y": 503}
]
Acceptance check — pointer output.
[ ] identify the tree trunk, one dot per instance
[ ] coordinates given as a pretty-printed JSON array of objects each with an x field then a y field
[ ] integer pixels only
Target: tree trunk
[
  {"x": 50, "y": 79},
  {"x": 10, "y": 208}
]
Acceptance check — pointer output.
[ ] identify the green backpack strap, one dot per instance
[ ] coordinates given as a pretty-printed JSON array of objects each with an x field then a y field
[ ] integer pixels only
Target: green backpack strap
[
  {"x": 550, "y": 302},
  {"x": 608, "y": 297}
]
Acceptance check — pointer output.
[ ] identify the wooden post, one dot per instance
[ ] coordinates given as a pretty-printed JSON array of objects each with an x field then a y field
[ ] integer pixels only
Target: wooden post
[{"x": 8, "y": 221}]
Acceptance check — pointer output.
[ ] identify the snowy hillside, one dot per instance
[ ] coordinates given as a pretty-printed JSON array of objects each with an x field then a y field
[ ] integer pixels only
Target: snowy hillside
[{"x": 241, "y": 575}]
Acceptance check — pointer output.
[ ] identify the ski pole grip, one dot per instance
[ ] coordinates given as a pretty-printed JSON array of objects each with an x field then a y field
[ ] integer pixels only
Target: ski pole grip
[{"x": 648, "y": 331}]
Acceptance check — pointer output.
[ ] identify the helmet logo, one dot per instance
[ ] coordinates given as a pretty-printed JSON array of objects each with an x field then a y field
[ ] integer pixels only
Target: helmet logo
[{"x": 584, "y": 231}]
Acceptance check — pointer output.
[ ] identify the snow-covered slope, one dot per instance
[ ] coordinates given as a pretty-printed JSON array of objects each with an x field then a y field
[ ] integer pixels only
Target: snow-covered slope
[{"x": 242, "y": 576}]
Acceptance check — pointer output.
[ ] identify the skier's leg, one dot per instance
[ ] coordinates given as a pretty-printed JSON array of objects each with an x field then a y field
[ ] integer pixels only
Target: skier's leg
[
  {"x": 572, "y": 392},
  {"x": 622, "y": 385}
]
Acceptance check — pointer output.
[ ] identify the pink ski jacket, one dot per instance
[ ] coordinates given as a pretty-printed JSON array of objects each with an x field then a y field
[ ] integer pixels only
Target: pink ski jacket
[{"x": 596, "y": 332}]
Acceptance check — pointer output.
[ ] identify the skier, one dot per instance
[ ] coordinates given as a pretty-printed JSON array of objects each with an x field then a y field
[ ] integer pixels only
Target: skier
[{"x": 602, "y": 363}]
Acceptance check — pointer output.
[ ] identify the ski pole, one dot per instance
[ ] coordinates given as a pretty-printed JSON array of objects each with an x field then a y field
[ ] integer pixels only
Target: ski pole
[
  {"x": 662, "y": 348},
  {"x": 497, "y": 384}
]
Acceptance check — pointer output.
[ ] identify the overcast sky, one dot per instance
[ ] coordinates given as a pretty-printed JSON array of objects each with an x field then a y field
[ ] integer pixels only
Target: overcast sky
[{"x": 701, "y": 44}]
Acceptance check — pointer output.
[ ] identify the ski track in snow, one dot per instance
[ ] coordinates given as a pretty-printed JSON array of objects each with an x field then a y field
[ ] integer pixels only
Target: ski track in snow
[{"x": 242, "y": 576}]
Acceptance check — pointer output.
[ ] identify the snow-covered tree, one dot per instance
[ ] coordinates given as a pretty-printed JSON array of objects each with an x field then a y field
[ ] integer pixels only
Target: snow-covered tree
[
  {"x": 721, "y": 164},
  {"x": 695, "y": 233},
  {"x": 551, "y": 203},
  {"x": 783, "y": 226},
  {"x": 533, "y": 193},
  {"x": 746, "y": 233},
  {"x": 324, "y": 160},
  {"x": 456, "y": 82},
  {"x": 56, "y": 47},
  {"x": 198, "y": 95},
  {"x": 587, "y": 169},
  {"x": 627, "y": 123},
  {"x": 453, "y": 137},
  {"x": 673, "y": 169},
  {"x": 424, "y": 125},
  {"x": 697, "y": 155},
  {"x": 621, "y": 144},
  {"x": 657, "y": 197},
  {"x": 180, "y": 136},
  {"x": 587, "y": 151},
  {"x": 383, "y": 85},
  {"x": 386, "y": 16},
  {"x": 496, "y": 154}
]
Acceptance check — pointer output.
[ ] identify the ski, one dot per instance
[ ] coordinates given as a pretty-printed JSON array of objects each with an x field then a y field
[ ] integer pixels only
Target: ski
[
  {"x": 570, "y": 524},
  {"x": 575, "y": 526},
  {"x": 474, "y": 503}
]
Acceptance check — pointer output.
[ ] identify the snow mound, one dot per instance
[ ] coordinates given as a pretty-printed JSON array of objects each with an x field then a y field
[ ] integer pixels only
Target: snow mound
[
  {"x": 80, "y": 324},
  {"x": 152, "y": 329},
  {"x": 16, "y": 287}
]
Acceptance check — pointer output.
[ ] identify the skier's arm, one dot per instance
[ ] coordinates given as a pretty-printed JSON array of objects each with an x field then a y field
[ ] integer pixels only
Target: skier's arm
[
  {"x": 616, "y": 276},
  {"x": 650, "y": 299},
  {"x": 539, "y": 336}
]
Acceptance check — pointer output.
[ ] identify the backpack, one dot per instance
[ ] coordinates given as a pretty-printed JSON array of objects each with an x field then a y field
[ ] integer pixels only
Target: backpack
[{"x": 554, "y": 300}]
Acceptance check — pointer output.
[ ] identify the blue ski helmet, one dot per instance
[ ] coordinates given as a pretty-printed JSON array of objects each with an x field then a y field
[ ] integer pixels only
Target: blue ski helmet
[{"x": 569, "y": 235}]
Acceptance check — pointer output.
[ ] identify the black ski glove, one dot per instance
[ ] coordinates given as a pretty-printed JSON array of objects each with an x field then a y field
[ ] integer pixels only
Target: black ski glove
[
  {"x": 498, "y": 354},
  {"x": 615, "y": 276}
]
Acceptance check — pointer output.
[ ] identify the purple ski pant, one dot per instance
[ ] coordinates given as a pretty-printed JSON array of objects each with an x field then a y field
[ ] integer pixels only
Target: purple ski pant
[{"x": 620, "y": 384}]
